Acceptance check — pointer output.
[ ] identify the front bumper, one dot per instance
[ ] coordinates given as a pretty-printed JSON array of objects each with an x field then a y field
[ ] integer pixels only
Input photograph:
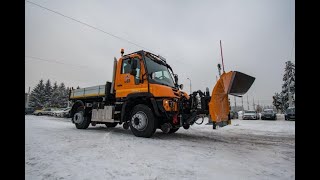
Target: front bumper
[
  {"x": 268, "y": 117},
  {"x": 249, "y": 117},
  {"x": 290, "y": 117}
]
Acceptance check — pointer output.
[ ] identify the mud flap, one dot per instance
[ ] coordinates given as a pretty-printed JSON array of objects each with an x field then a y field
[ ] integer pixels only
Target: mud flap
[{"x": 233, "y": 83}]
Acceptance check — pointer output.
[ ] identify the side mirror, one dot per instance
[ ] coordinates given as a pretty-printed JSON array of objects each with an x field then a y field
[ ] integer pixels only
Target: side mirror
[
  {"x": 181, "y": 86},
  {"x": 134, "y": 64},
  {"x": 176, "y": 78}
]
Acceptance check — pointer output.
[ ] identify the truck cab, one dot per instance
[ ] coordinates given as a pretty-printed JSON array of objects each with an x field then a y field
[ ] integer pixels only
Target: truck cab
[{"x": 145, "y": 72}]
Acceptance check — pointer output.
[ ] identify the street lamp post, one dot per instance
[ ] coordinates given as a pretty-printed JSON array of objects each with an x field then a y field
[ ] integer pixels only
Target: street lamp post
[{"x": 190, "y": 85}]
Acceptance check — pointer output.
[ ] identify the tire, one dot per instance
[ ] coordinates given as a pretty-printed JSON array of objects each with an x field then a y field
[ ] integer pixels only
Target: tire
[
  {"x": 173, "y": 130},
  {"x": 80, "y": 120},
  {"x": 142, "y": 121},
  {"x": 39, "y": 114},
  {"x": 110, "y": 125}
]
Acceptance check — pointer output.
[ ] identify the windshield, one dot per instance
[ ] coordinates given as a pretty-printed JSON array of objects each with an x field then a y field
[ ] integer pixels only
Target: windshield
[
  {"x": 161, "y": 73},
  {"x": 250, "y": 112},
  {"x": 291, "y": 110}
]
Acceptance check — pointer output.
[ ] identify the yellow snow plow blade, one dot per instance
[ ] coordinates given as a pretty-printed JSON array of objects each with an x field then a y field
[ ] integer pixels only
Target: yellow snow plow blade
[{"x": 233, "y": 83}]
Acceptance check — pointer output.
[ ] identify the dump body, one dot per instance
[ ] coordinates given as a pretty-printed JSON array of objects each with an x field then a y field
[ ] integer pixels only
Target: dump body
[{"x": 88, "y": 92}]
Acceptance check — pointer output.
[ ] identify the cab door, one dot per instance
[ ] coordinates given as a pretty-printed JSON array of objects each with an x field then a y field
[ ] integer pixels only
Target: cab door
[{"x": 127, "y": 83}]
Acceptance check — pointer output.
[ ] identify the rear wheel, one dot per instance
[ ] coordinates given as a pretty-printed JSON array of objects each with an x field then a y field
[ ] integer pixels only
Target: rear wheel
[
  {"x": 80, "y": 120},
  {"x": 142, "y": 121},
  {"x": 111, "y": 124}
]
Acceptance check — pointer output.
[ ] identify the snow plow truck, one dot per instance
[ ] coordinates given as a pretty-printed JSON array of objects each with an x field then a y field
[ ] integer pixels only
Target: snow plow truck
[{"x": 144, "y": 95}]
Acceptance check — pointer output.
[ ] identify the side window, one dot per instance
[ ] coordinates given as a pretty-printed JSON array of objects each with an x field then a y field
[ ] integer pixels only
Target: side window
[{"x": 126, "y": 69}]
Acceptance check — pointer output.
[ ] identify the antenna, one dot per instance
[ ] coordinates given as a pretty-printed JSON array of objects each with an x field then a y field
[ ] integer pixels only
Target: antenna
[{"x": 222, "y": 57}]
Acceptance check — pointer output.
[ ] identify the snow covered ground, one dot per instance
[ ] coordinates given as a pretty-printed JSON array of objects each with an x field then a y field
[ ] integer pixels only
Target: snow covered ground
[{"x": 246, "y": 149}]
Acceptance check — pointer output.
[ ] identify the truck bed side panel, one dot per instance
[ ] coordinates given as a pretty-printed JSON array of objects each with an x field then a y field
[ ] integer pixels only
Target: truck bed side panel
[{"x": 94, "y": 91}]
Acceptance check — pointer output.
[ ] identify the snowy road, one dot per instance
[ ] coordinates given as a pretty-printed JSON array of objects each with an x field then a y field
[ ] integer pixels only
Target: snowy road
[{"x": 55, "y": 149}]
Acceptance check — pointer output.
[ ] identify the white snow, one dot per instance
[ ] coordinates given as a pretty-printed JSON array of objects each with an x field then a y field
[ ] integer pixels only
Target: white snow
[{"x": 246, "y": 149}]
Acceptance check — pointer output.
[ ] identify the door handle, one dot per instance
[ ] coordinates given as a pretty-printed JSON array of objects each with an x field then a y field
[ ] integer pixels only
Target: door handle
[{"x": 119, "y": 85}]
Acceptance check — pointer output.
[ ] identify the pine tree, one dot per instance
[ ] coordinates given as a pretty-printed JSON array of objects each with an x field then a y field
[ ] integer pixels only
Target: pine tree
[
  {"x": 278, "y": 101},
  {"x": 289, "y": 82},
  {"x": 67, "y": 95},
  {"x": 37, "y": 96},
  {"x": 48, "y": 93},
  {"x": 63, "y": 96},
  {"x": 55, "y": 95}
]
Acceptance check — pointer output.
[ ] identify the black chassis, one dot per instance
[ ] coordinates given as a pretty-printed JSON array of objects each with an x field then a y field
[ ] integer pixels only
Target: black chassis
[{"x": 188, "y": 109}]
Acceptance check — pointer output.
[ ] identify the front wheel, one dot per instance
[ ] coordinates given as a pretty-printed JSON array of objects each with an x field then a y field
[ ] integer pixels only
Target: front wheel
[
  {"x": 80, "y": 120},
  {"x": 142, "y": 121}
]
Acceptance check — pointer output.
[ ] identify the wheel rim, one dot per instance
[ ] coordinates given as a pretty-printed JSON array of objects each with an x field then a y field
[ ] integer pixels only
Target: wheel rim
[
  {"x": 78, "y": 117},
  {"x": 139, "y": 121}
]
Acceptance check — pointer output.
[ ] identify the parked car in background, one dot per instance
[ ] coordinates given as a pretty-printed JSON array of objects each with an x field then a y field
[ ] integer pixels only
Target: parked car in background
[
  {"x": 38, "y": 112},
  {"x": 268, "y": 114},
  {"x": 48, "y": 111},
  {"x": 290, "y": 113},
  {"x": 250, "y": 115},
  {"x": 44, "y": 111},
  {"x": 55, "y": 111},
  {"x": 63, "y": 112},
  {"x": 29, "y": 110}
]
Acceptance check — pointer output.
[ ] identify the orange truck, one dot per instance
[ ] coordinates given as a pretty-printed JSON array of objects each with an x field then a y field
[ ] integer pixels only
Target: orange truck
[{"x": 144, "y": 95}]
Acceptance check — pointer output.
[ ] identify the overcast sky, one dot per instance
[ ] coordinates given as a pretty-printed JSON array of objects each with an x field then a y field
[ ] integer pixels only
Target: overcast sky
[{"x": 257, "y": 38}]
